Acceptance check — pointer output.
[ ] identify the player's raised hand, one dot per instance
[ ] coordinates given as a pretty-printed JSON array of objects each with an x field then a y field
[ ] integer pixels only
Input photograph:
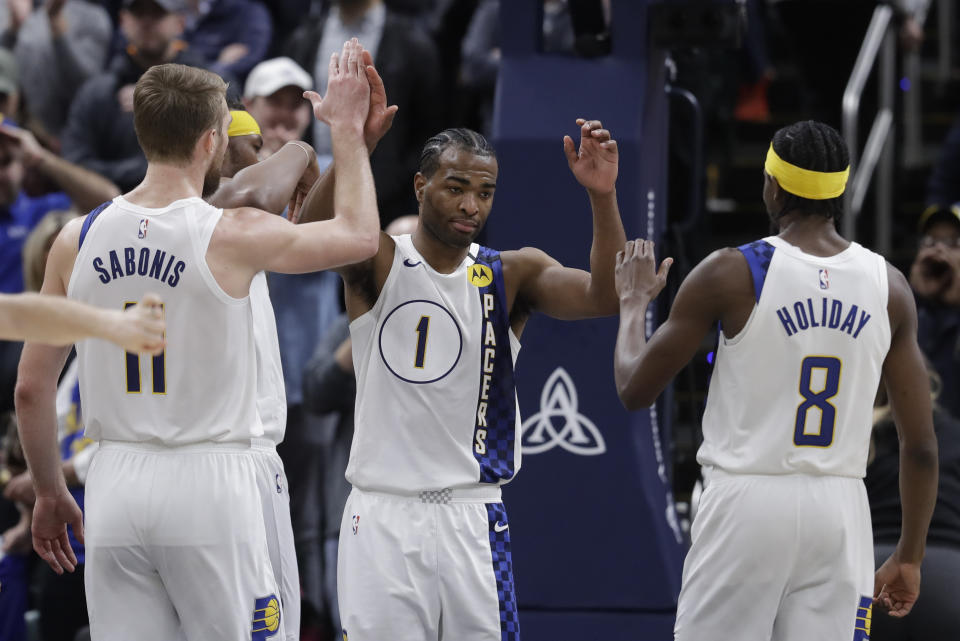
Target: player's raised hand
[
  {"x": 348, "y": 90},
  {"x": 896, "y": 586},
  {"x": 595, "y": 164},
  {"x": 636, "y": 274},
  {"x": 139, "y": 329},
  {"x": 51, "y": 515},
  {"x": 380, "y": 117}
]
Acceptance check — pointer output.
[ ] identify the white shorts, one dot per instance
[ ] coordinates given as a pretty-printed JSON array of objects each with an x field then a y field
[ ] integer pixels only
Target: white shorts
[
  {"x": 176, "y": 545},
  {"x": 412, "y": 569},
  {"x": 787, "y": 558},
  {"x": 275, "y": 501}
]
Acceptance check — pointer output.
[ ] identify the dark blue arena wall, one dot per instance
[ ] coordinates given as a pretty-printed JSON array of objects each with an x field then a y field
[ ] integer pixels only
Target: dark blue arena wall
[{"x": 596, "y": 548}]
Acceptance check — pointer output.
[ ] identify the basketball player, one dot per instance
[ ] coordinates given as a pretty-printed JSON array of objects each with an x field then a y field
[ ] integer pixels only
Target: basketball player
[
  {"x": 424, "y": 547},
  {"x": 55, "y": 321},
  {"x": 179, "y": 544},
  {"x": 810, "y": 323}
]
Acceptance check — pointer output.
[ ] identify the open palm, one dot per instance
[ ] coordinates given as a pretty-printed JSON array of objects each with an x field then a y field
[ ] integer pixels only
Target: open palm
[{"x": 596, "y": 163}]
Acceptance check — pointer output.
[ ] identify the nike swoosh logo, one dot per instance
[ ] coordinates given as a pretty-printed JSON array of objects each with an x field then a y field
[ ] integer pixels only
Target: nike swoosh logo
[
  {"x": 498, "y": 528},
  {"x": 406, "y": 261}
]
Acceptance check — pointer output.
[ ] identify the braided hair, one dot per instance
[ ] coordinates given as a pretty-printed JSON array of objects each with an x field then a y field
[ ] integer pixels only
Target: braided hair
[
  {"x": 460, "y": 138},
  {"x": 818, "y": 147}
]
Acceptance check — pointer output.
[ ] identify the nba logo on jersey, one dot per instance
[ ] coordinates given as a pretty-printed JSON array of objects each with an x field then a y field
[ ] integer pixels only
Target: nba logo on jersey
[
  {"x": 142, "y": 231},
  {"x": 266, "y": 618},
  {"x": 824, "y": 279},
  {"x": 356, "y": 523}
]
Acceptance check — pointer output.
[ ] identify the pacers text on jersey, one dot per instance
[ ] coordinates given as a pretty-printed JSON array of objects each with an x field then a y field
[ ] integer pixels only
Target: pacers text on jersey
[
  {"x": 154, "y": 263},
  {"x": 489, "y": 354}
]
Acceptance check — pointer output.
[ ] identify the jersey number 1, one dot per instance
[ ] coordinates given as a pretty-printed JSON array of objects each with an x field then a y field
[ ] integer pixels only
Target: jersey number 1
[
  {"x": 133, "y": 370},
  {"x": 423, "y": 327},
  {"x": 819, "y": 400}
]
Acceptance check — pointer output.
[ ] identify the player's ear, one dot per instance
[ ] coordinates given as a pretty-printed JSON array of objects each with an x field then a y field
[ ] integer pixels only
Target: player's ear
[
  {"x": 419, "y": 183},
  {"x": 775, "y": 189}
]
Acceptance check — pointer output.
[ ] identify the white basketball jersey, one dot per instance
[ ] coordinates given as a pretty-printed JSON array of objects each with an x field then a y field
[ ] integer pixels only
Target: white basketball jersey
[
  {"x": 793, "y": 392},
  {"x": 271, "y": 394},
  {"x": 436, "y": 403},
  {"x": 203, "y": 387}
]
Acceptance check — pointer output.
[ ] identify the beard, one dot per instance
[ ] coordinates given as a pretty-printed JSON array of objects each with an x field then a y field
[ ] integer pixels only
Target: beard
[
  {"x": 211, "y": 179},
  {"x": 447, "y": 236}
]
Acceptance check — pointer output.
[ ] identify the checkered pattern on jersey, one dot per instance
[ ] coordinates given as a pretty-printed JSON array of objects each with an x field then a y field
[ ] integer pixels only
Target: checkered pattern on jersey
[
  {"x": 503, "y": 571},
  {"x": 759, "y": 253},
  {"x": 440, "y": 497},
  {"x": 495, "y": 428}
]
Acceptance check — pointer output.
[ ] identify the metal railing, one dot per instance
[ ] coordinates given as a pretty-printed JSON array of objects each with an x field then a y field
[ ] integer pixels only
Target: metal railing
[{"x": 877, "y": 153}]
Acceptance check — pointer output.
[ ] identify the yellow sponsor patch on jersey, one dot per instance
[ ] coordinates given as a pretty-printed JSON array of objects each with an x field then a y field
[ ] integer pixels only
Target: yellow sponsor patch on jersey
[{"x": 479, "y": 275}]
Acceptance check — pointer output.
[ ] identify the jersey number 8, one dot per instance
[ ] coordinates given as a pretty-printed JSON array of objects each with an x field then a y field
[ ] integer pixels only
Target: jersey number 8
[{"x": 820, "y": 400}]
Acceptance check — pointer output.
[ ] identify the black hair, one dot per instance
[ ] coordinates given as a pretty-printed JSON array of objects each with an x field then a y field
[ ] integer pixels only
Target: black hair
[
  {"x": 818, "y": 147},
  {"x": 461, "y": 138},
  {"x": 235, "y": 104}
]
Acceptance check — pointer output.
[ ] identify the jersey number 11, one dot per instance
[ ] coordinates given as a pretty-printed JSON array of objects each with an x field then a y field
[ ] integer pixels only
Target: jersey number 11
[{"x": 133, "y": 370}]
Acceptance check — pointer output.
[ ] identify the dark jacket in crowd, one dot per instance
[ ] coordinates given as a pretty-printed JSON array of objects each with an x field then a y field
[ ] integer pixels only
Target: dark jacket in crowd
[
  {"x": 938, "y": 332},
  {"x": 407, "y": 62},
  {"x": 883, "y": 482},
  {"x": 99, "y": 134},
  {"x": 330, "y": 392},
  {"x": 245, "y": 22},
  {"x": 943, "y": 187}
]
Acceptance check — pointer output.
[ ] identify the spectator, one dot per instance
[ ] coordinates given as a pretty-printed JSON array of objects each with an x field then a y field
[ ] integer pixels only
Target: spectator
[
  {"x": 62, "y": 604},
  {"x": 85, "y": 188},
  {"x": 231, "y": 35},
  {"x": 273, "y": 95},
  {"x": 934, "y": 615},
  {"x": 19, "y": 213},
  {"x": 99, "y": 134},
  {"x": 9, "y": 85},
  {"x": 407, "y": 60},
  {"x": 17, "y": 548},
  {"x": 330, "y": 390},
  {"x": 943, "y": 188},
  {"x": 58, "y": 47},
  {"x": 935, "y": 279}
]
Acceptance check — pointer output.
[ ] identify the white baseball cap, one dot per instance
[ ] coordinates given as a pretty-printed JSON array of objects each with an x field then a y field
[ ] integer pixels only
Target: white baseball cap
[{"x": 274, "y": 74}]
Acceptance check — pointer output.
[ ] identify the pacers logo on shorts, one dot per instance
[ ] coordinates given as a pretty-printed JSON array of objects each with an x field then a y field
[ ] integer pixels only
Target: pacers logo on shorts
[
  {"x": 266, "y": 617},
  {"x": 479, "y": 275},
  {"x": 861, "y": 631}
]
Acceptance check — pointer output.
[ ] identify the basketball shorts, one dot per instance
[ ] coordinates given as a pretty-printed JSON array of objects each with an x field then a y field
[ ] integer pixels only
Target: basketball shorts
[
  {"x": 425, "y": 568},
  {"x": 176, "y": 546},
  {"x": 787, "y": 558},
  {"x": 275, "y": 502}
]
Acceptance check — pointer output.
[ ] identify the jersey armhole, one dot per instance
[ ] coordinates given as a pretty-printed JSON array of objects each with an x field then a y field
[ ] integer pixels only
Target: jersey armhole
[
  {"x": 202, "y": 232},
  {"x": 373, "y": 313}
]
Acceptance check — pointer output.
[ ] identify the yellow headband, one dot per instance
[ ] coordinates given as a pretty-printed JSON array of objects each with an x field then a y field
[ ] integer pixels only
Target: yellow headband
[
  {"x": 806, "y": 183},
  {"x": 242, "y": 124}
]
